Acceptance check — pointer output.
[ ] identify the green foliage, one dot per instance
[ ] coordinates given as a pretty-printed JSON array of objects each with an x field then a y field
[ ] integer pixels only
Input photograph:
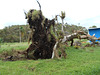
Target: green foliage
[
  {"x": 77, "y": 47},
  {"x": 35, "y": 15},
  {"x": 60, "y": 34},
  {"x": 93, "y": 26},
  {"x": 62, "y": 15},
  {"x": 21, "y": 29},
  {"x": 53, "y": 33},
  {"x": 72, "y": 28},
  {"x": 12, "y": 33},
  {"x": 1, "y": 40}
]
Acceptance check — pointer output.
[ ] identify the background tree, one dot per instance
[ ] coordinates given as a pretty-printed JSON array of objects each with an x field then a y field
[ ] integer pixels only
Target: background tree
[
  {"x": 93, "y": 26},
  {"x": 12, "y": 33},
  {"x": 1, "y": 40}
]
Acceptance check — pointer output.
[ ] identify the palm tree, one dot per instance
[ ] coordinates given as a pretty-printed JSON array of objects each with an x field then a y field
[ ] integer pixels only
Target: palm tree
[
  {"x": 62, "y": 16},
  {"x": 21, "y": 31}
]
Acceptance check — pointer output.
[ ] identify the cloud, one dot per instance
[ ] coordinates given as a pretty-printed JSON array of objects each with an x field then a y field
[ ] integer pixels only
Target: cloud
[
  {"x": 91, "y": 21},
  {"x": 1, "y": 26},
  {"x": 77, "y": 11}
]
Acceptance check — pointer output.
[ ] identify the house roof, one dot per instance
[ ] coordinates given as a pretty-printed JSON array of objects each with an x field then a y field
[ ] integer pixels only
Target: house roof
[{"x": 93, "y": 28}]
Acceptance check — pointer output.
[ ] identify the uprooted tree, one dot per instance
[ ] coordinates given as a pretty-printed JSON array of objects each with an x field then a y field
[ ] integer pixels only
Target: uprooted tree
[
  {"x": 45, "y": 39},
  {"x": 43, "y": 36}
]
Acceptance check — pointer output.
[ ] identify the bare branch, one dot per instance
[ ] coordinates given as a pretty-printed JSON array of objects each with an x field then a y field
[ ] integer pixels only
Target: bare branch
[{"x": 39, "y": 4}]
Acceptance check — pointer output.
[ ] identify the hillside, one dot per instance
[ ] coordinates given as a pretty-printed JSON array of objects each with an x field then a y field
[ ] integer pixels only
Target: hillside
[{"x": 12, "y": 33}]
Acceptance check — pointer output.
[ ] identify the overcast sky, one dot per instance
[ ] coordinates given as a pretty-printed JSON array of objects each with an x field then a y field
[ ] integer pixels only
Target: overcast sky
[{"x": 85, "y": 12}]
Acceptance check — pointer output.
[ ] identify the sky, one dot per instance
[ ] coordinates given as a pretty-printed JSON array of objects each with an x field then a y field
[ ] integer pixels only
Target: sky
[{"x": 85, "y": 12}]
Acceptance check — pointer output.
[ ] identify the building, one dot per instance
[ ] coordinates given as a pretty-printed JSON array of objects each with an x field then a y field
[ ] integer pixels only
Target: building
[{"x": 95, "y": 31}]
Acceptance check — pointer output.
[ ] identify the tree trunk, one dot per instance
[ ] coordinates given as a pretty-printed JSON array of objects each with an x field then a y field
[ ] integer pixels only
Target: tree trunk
[
  {"x": 55, "y": 52},
  {"x": 20, "y": 36},
  {"x": 79, "y": 35},
  {"x": 62, "y": 26}
]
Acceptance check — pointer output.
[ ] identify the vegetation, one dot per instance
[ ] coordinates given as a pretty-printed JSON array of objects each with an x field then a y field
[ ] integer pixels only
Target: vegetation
[
  {"x": 93, "y": 26},
  {"x": 6, "y": 47},
  {"x": 62, "y": 18},
  {"x": 12, "y": 33},
  {"x": 78, "y": 62}
]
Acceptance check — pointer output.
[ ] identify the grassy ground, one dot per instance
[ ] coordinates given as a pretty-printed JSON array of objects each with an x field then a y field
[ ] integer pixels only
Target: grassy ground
[
  {"x": 13, "y": 46},
  {"x": 78, "y": 62}
]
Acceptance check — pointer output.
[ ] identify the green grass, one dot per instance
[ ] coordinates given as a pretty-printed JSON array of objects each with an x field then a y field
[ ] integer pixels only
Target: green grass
[
  {"x": 13, "y": 46},
  {"x": 78, "y": 62}
]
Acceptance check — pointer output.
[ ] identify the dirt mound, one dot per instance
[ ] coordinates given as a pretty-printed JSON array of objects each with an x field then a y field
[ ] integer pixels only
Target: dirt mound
[{"x": 13, "y": 55}]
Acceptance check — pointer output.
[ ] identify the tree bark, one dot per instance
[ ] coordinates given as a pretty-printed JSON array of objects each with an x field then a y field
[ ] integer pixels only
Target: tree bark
[
  {"x": 79, "y": 35},
  {"x": 55, "y": 51}
]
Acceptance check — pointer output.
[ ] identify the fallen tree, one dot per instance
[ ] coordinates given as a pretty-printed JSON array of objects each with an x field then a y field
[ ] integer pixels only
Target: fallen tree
[
  {"x": 46, "y": 41},
  {"x": 80, "y": 35},
  {"x": 91, "y": 38},
  {"x": 71, "y": 37}
]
